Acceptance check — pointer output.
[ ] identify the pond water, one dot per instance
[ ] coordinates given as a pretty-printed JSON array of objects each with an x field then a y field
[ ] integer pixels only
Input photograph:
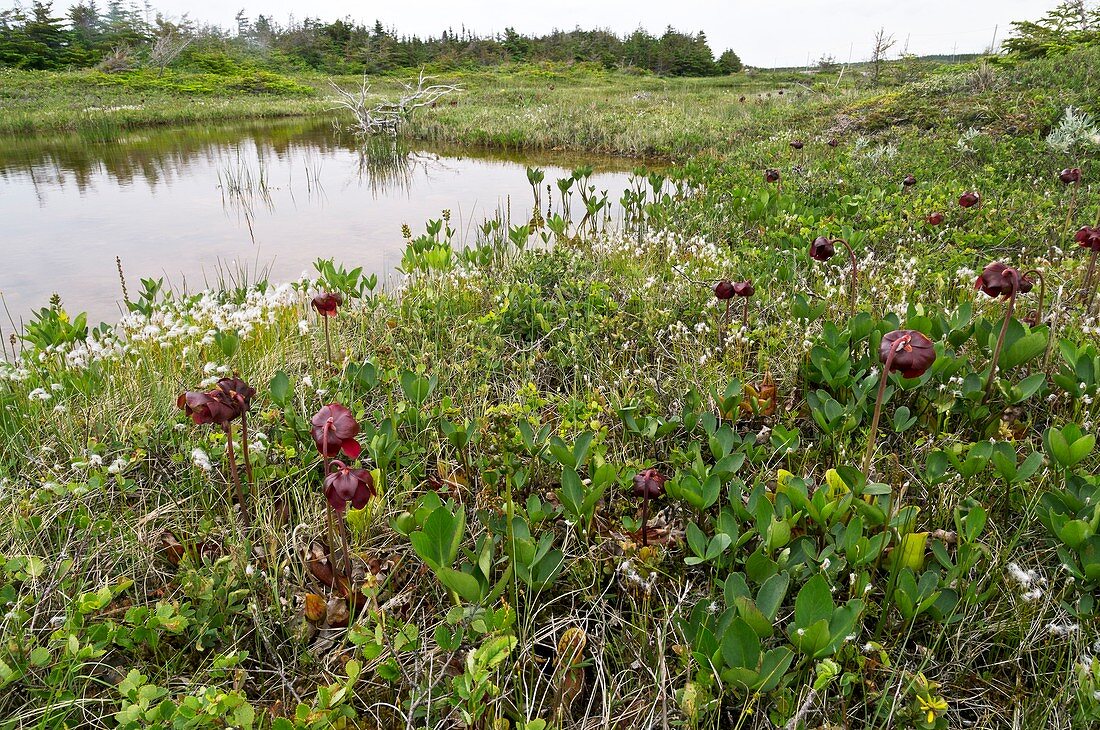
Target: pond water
[{"x": 193, "y": 204}]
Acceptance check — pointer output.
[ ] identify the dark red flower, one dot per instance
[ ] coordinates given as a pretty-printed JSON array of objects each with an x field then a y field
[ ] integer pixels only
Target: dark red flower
[
  {"x": 345, "y": 484},
  {"x": 771, "y": 175},
  {"x": 834, "y": 142},
  {"x": 998, "y": 280},
  {"x": 724, "y": 290},
  {"x": 327, "y": 303},
  {"x": 1088, "y": 238},
  {"x": 934, "y": 219},
  {"x": 230, "y": 398},
  {"x": 649, "y": 483},
  {"x": 822, "y": 249},
  {"x": 969, "y": 199},
  {"x": 1070, "y": 175},
  {"x": 913, "y": 352},
  {"x": 909, "y": 181},
  {"x": 797, "y": 144},
  {"x": 334, "y": 430},
  {"x": 744, "y": 288}
]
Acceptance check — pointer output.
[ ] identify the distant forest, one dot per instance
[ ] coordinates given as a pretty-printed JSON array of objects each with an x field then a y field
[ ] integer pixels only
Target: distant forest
[{"x": 121, "y": 35}]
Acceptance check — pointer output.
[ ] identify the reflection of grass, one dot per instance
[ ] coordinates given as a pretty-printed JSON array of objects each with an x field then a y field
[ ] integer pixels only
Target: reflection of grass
[{"x": 386, "y": 164}]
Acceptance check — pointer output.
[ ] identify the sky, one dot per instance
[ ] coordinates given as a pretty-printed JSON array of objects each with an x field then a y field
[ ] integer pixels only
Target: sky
[{"x": 763, "y": 32}]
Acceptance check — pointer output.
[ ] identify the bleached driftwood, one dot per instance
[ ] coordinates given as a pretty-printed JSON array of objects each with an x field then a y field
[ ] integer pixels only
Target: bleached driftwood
[{"x": 373, "y": 117}]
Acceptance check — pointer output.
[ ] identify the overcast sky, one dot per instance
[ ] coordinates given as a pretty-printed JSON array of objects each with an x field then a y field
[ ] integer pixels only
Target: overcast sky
[{"x": 763, "y": 32}]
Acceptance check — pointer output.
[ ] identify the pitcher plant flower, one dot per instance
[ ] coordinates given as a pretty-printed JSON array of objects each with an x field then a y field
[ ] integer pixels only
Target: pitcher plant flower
[
  {"x": 771, "y": 175},
  {"x": 1001, "y": 282},
  {"x": 724, "y": 290},
  {"x": 344, "y": 484},
  {"x": 908, "y": 352},
  {"x": 822, "y": 249},
  {"x": 229, "y": 400},
  {"x": 648, "y": 484},
  {"x": 934, "y": 219},
  {"x": 745, "y": 290},
  {"x": 1070, "y": 176},
  {"x": 326, "y": 304},
  {"x": 969, "y": 199},
  {"x": 334, "y": 429},
  {"x": 908, "y": 181},
  {"x": 1088, "y": 238}
]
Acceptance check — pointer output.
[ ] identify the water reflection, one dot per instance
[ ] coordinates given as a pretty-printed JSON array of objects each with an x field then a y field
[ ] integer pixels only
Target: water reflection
[{"x": 177, "y": 202}]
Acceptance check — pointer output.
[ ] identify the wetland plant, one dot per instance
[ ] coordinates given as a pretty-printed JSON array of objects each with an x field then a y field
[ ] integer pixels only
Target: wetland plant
[
  {"x": 969, "y": 199},
  {"x": 648, "y": 484},
  {"x": 326, "y": 304},
  {"x": 902, "y": 351},
  {"x": 229, "y": 400},
  {"x": 334, "y": 429},
  {"x": 1089, "y": 239},
  {"x": 1002, "y": 282},
  {"x": 1071, "y": 176},
  {"x": 823, "y": 248},
  {"x": 344, "y": 485}
]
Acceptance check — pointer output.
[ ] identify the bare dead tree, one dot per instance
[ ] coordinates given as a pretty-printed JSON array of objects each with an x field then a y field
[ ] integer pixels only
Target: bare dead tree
[
  {"x": 119, "y": 59},
  {"x": 166, "y": 48},
  {"x": 883, "y": 43},
  {"x": 373, "y": 117}
]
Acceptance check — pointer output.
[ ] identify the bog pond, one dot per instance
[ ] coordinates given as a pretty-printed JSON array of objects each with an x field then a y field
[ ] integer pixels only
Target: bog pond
[{"x": 204, "y": 204}]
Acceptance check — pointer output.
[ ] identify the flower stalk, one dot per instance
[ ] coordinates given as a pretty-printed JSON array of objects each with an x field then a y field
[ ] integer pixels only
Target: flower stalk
[
  {"x": 234, "y": 476},
  {"x": 1000, "y": 343},
  {"x": 883, "y": 378}
]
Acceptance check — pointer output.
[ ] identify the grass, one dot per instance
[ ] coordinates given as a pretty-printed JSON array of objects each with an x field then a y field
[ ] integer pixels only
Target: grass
[
  {"x": 507, "y": 395},
  {"x": 513, "y": 108}
]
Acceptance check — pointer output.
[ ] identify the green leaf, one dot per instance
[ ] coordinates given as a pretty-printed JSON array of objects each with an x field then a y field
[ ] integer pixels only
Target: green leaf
[
  {"x": 740, "y": 645},
  {"x": 416, "y": 388},
  {"x": 718, "y": 545},
  {"x": 1081, "y": 448},
  {"x": 464, "y": 584},
  {"x": 775, "y": 665},
  {"x": 771, "y": 594},
  {"x": 1026, "y": 348},
  {"x": 437, "y": 543},
  {"x": 1027, "y": 387},
  {"x": 280, "y": 388},
  {"x": 696, "y": 539},
  {"x": 814, "y": 602},
  {"x": 810, "y": 639},
  {"x": 751, "y": 614},
  {"x": 1075, "y": 532}
]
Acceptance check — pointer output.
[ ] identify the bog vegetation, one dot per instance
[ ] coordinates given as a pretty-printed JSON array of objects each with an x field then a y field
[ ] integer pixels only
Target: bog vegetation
[
  {"x": 123, "y": 37},
  {"x": 799, "y": 432}
]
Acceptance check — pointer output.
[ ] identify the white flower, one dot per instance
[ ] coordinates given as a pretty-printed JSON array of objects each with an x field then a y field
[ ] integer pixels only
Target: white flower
[
  {"x": 201, "y": 459},
  {"x": 39, "y": 394}
]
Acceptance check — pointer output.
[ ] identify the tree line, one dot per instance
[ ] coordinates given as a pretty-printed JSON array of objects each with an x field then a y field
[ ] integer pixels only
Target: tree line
[{"x": 122, "y": 35}]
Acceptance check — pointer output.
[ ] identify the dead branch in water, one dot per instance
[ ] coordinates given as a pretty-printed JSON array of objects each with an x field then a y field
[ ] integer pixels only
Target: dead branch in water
[{"x": 373, "y": 117}]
